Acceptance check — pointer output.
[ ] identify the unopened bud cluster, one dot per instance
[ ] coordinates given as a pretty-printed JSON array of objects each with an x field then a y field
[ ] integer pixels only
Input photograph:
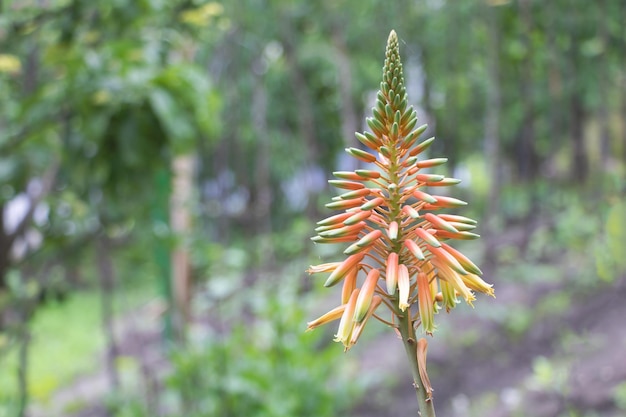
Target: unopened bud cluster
[{"x": 397, "y": 255}]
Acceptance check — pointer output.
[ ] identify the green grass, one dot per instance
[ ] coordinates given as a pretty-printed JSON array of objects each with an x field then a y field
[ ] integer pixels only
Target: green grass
[{"x": 67, "y": 341}]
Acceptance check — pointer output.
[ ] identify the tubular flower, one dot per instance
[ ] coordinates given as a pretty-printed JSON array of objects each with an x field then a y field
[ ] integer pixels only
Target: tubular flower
[{"x": 391, "y": 221}]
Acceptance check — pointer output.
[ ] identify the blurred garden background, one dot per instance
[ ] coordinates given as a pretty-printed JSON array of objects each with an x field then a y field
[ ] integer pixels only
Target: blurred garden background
[{"x": 163, "y": 164}]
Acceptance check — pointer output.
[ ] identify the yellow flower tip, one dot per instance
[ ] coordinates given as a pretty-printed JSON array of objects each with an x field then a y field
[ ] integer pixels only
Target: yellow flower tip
[
  {"x": 404, "y": 287},
  {"x": 476, "y": 283},
  {"x": 346, "y": 323},
  {"x": 358, "y": 327},
  {"x": 327, "y": 267},
  {"x": 470, "y": 299},
  {"x": 332, "y": 315},
  {"x": 365, "y": 296}
]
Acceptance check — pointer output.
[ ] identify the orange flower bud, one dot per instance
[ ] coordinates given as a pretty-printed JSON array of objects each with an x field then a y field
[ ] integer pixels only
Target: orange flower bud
[
  {"x": 439, "y": 223},
  {"x": 445, "y": 202},
  {"x": 448, "y": 259},
  {"x": 345, "y": 204},
  {"x": 346, "y": 185},
  {"x": 343, "y": 269},
  {"x": 355, "y": 193},
  {"x": 368, "y": 140},
  {"x": 410, "y": 139},
  {"x": 404, "y": 287},
  {"x": 462, "y": 227},
  {"x": 446, "y": 182},
  {"x": 427, "y": 237},
  {"x": 365, "y": 295},
  {"x": 320, "y": 239},
  {"x": 344, "y": 231},
  {"x": 361, "y": 154},
  {"x": 459, "y": 236},
  {"x": 410, "y": 211},
  {"x": 420, "y": 195},
  {"x": 429, "y": 178},
  {"x": 465, "y": 262},
  {"x": 370, "y": 238},
  {"x": 366, "y": 173},
  {"x": 328, "y": 267},
  {"x": 333, "y": 314},
  {"x": 357, "y": 217},
  {"x": 414, "y": 249},
  {"x": 391, "y": 274},
  {"x": 372, "y": 203},
  {"x": 348, "y": 175},
  {"x": 334, "y": 220},
  {"x": 421, "y": 147},
  {"x": 425, "y": 306},
  {"x": 457, "y": 218},
  {"x": 349, "y": 284},
  {"x": 392, "y": 231},
  {"x": 364, "y": 242},
  {"x": 429, "y": 163}
]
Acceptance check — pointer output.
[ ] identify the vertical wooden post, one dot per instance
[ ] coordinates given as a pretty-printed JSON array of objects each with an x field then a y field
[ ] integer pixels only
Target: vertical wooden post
[
  {"x": 180, "y": 221},
  {"x": 161, "y": 246}
]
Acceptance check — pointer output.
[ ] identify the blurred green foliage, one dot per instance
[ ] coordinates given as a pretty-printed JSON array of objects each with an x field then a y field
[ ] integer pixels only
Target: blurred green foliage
[
  {"x": 99, "y": 97},
  {"x": 265, "y": 366}
]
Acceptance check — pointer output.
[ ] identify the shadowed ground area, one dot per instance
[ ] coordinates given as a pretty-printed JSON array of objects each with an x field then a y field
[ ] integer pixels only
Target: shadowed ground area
[{"x": 573, "y": 360}]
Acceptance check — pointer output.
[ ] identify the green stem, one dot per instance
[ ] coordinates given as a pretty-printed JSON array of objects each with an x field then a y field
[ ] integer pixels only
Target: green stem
[{"x": 426, "y": 406}]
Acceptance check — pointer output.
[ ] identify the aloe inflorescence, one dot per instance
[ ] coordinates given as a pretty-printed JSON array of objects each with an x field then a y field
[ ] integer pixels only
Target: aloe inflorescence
[{"x": 398, "y": 256}]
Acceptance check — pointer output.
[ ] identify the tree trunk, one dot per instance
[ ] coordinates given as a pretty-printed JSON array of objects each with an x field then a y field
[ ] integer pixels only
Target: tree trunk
[
  {"x": 492, "y": 138},
  {"x": 5, "y": 248},
  {"x": 349, "y": 124},
  {"x": 580, "y": 164},
  {"x": 527, "y": 158},
  {"x": 263, "y": 203},
  {"x": 604, "y": 74},
  {"x": 306, "y": 114},
  {"x": 180, "y": 219},
  {"x": 305, "y": 111},
  {"x": 624, "y": 119},
  {"x": 22, "y": 370},
  {"x": 558, "y": 127},
  {"x": 107, "y": 284}
]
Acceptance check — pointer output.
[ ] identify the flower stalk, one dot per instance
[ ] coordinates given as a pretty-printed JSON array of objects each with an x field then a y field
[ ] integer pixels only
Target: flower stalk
[{"x": 398, "y": 254}]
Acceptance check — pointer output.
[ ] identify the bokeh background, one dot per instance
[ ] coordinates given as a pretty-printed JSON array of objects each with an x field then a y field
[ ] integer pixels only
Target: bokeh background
[{"x": 163, "y": 164}]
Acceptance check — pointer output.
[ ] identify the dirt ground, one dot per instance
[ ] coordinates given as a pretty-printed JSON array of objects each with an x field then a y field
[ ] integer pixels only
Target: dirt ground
[{"x": 565, "y": 365}]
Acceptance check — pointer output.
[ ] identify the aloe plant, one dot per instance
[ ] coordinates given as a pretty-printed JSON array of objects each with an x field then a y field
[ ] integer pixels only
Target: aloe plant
[{"x": 399, "y": 267}]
